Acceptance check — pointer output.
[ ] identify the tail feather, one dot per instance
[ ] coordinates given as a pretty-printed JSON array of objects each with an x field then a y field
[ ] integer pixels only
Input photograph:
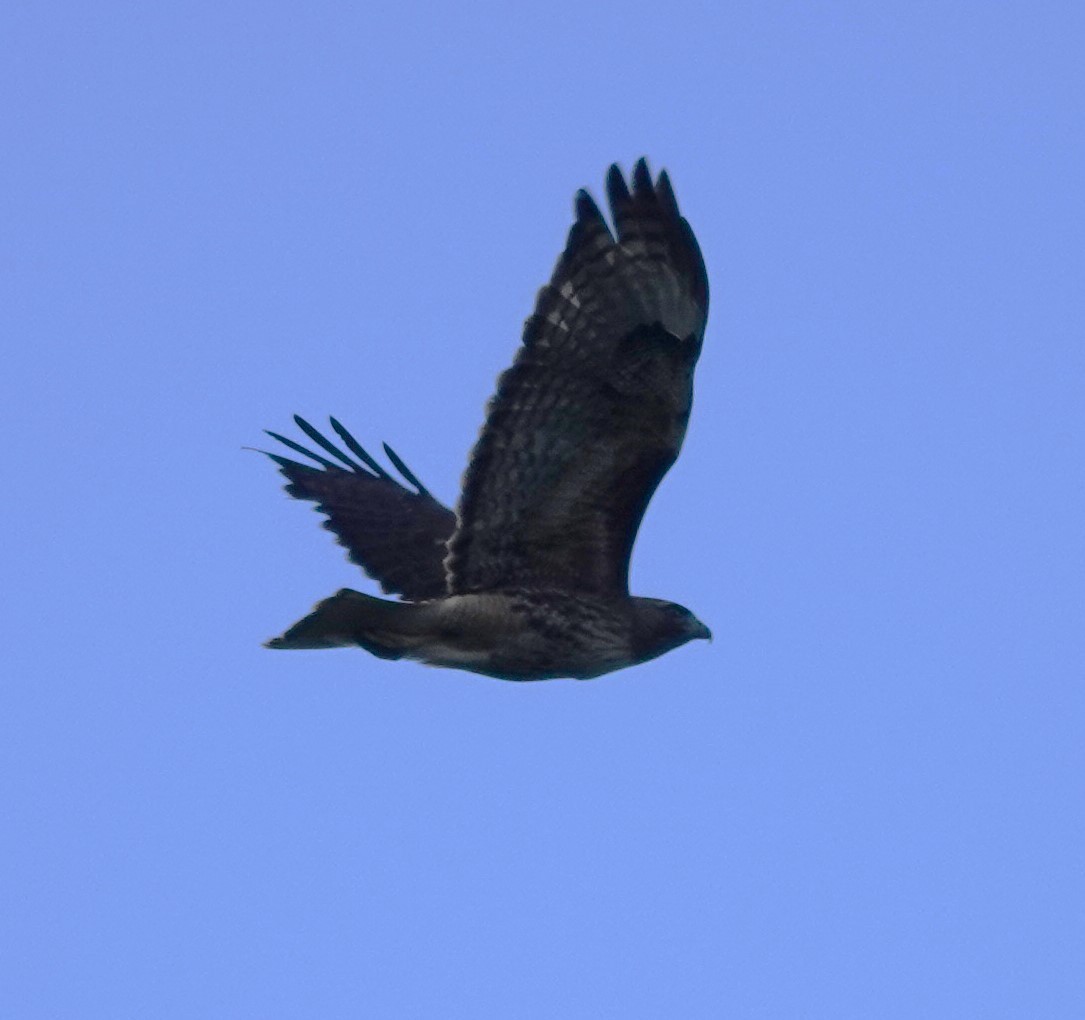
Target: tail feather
[{"x": 349, "y": 618}]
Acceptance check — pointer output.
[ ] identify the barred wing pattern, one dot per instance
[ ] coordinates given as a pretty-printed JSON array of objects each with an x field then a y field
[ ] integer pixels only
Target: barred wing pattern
[
  {"x": 593, "y": 411},
  {"x": 397, "y": 535}
]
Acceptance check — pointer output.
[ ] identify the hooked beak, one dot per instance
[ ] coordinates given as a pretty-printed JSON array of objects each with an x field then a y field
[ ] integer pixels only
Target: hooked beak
[{"x": 701, "y": 631}]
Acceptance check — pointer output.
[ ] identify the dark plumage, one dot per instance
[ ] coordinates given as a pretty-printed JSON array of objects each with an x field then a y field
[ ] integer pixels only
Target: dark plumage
[{"x": 529, "y": 580}]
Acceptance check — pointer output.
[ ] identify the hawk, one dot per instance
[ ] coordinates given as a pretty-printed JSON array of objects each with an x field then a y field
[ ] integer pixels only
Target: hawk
[{"x": 528, "y": 579}]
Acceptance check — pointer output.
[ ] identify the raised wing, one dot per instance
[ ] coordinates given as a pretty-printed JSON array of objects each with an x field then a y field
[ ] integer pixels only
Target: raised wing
[
  {"x": 398, "y": 536},
  {"x": 593, "y": 411}
]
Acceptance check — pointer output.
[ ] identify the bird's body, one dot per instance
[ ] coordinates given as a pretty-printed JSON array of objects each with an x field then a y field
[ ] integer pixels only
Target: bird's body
[
  {"x": 529, "y": 579},
  {"x": 512, "y": 635}
]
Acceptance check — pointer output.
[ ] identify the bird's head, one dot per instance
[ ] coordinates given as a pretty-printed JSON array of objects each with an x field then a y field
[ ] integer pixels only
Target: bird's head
[{"x": 661, "y": 626}]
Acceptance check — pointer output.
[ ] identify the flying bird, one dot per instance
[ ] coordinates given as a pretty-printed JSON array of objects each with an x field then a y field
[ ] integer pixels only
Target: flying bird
[{"x": 528, "y": 579}]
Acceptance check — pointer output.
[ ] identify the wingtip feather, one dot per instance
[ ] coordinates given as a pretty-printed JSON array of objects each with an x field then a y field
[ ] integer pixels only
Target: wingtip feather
[
  {"x": 617, "y": 189},
  {"x": 286, "y": 462},
  {"x": 358, "y": 450},
  {"x": 402, "y": 468},
  {"x": 642, "y": 177},
  {"x": 585, "y": 207},
  {"x": 665, "y": 193},
  {"x": 298, "y": 448},
  {"x": 325, "y": 443}
]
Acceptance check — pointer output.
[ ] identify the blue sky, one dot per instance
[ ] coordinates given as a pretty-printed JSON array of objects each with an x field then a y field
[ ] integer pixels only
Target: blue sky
[{"x": 863, "y": 799}]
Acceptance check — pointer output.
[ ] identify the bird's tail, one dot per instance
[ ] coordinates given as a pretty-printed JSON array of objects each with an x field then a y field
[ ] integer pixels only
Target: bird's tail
[{"x": 387, "y": 629}]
